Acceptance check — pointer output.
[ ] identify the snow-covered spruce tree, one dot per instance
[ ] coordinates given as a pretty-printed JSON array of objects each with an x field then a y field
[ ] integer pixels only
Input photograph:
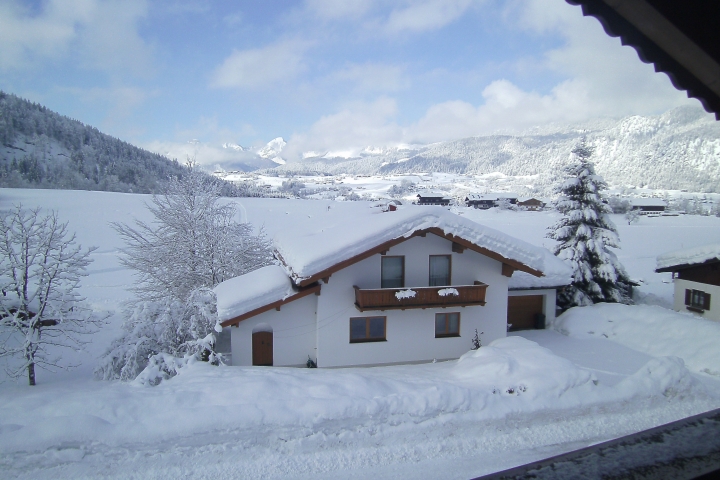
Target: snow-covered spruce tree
[
  {"x": 40, "y": 307},
  {"x": 585, "y": 234},
  {"x": 193, "y": 244}
]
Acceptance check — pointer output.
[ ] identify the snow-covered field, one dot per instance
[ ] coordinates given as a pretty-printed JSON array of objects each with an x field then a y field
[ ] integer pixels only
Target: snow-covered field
[{"x": 532, "y": 395}]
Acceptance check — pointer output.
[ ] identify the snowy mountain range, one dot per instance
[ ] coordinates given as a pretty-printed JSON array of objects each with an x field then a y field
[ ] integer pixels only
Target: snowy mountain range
[{"x": 679, "y": 149}]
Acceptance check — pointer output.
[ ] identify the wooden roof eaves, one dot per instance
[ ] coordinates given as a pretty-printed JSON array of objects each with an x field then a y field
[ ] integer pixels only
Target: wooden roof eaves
[
  {"x": 685, "y": 266},
  {"x": 658, "y": 41},
  {"x": 391, "y": 243},
  {"x": 300, "y": 294}
]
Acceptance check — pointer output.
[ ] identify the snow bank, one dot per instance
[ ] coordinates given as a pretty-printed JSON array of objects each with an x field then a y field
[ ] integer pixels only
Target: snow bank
[
  {"x": 256, "y": 289},
  {"x": 650, "y": 329},
  {"x": 511, "y": 375},
  {"x": 689, "y": 256},
  {"x": 321, "y": 241},
  {"x": 520, "y": 367}
]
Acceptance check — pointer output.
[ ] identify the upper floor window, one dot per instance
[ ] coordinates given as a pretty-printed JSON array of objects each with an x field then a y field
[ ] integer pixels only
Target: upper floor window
[
  {"x": 392, "y": 272},
  {"x": 697, "y": 299},
  {"x": 440, "y": 267}
]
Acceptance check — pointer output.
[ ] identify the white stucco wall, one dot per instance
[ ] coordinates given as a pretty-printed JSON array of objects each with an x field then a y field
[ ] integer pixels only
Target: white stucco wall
[
  {"x": 410, "y": 333},
  {"x": 293, "y": 334},
  {"x": 549, "y": 300},
  {"x": 713, "y": 290}
]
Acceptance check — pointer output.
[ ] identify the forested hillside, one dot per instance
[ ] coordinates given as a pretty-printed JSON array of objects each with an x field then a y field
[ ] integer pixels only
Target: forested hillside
[{"x": 43, "y": 149}]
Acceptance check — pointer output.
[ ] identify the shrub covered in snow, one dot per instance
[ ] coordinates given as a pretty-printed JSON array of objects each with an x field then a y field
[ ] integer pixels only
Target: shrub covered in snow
[
  {"x": 585, "y": 234},
  {"x": 194, "y": 244}
]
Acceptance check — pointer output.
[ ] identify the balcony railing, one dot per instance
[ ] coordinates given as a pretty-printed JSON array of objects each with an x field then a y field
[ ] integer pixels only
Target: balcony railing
[{"x": 419, "y": 297}]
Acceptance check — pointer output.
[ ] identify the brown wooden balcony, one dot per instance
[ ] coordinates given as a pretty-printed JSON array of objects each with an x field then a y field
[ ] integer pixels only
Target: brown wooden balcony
[{"x": 423, "y": 297}]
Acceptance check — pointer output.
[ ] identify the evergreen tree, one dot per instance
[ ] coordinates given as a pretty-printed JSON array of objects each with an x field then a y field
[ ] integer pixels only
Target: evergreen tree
[{"x": 585, "y": 234}]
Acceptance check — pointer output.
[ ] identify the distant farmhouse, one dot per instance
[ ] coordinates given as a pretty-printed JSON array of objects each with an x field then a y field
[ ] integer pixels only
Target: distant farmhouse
[
  {"x": 532, "y": 204},
  {"x": 646, "y": 206},
  {"x": 433, "y": 198},
  {"x": 489, "y": 200},
  {"x": 696, "y": 274}
]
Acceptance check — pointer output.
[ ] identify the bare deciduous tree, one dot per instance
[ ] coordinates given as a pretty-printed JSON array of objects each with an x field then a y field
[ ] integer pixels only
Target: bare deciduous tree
[{"x": 40, "y": 307}]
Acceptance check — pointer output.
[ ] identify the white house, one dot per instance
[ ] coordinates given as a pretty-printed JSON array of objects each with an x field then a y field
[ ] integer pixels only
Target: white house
[
  {"x": 696, "y": 274},
  {"x": 376, "y": 288}
]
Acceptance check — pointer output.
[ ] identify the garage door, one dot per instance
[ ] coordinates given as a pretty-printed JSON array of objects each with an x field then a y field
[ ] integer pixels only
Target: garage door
[{"x": 523, "y": 311}]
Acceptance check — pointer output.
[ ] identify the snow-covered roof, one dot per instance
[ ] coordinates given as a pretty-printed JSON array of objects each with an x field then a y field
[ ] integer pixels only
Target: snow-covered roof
[
  {"x": 481, "y": 196},
  {"x": 324, "y": 241},
  {"x": 556, "y": 273},
  {"x": 432, "y": 194},
  {"x": 648, "y": 202},
  {"x": 490, "y": 196},
  {"x": 253, "y": 290},
  {"x": 688, "y": 256}
]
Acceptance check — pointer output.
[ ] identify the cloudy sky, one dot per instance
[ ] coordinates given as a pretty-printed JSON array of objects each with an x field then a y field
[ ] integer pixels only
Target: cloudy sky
[{"x": 326, "y": 75}]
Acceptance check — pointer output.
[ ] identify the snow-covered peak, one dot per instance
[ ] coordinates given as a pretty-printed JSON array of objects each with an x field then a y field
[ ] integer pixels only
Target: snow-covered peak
[
  {"x": 235, "y": 146},
  {"x": 273, "y": 149}
]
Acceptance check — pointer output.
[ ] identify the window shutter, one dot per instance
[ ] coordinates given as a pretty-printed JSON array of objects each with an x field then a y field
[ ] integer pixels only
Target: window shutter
[
  {"x": 706, "y": 303},
  {"x": 688, "y": 296}
]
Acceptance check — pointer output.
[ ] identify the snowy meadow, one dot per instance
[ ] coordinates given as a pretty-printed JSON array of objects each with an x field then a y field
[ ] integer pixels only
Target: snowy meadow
[{"x": 597, "y": 373}]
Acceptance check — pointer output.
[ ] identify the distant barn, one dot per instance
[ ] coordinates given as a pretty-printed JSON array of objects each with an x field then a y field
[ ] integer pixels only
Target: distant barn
[
  {"x": 646, "y": 206},
  {"x": 532, "y": 204},
  {"x": 489, "y": 200},
  {"x": 432, "y": 198}
]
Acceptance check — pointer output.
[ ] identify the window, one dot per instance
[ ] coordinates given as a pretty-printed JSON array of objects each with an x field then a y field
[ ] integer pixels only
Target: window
[
  {"x": 367, "y": 329},
  {"x": 392, "y": 272},
  {"x": 447, "y": 325},
  {"x": 439, "y": 270},
  {"x": 697, "y": 300}
]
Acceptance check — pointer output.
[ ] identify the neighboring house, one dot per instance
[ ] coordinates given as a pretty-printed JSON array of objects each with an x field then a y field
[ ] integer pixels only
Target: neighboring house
[
  {"x": 433, "y": 198},
  {"x": 696, "y": 274},
  {"x": 483, "y": 201},
  {"x": 376, "y": 288},
  {"x": 489, "y": 200},
  {"x": 646, "y": 206},
  {"x": 532, "y": 204}
]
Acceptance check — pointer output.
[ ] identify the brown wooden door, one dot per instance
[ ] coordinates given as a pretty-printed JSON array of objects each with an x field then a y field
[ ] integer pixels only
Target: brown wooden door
[
  {"x": 262, "y": 349},
  {"x": 523, "y": 311}
]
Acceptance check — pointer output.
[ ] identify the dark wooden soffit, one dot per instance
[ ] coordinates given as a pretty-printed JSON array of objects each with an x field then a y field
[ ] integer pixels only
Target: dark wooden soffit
[
  {"x": 685, "y": 266},
  {"x": 418, "y": 233},
  {"x": 681, "y": 39},
  {"x": 302, "y": 293}
]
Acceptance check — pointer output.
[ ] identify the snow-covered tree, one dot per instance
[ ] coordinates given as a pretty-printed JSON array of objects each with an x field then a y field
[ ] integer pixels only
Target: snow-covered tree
[
  {"x": 585, "y": 234},
  {"x": 40, "y": 307},
  {"x": 193, "y": 244}
]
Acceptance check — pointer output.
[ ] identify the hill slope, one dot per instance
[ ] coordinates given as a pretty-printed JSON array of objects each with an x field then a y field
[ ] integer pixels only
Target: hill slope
[{"x": 43, "y": 149}]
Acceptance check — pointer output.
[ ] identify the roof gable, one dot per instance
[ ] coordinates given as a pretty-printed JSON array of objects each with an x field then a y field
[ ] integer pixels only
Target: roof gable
[
  {"x": 687, "y": 258},
  {"x": 329, "y": 243}
]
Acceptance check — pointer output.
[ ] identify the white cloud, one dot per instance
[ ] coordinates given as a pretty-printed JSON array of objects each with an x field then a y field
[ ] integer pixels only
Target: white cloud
[
  {"x": 260, "y": 67},
  {"x": 372, "y": 77},
  {"x": 100, "y": 35},
  {"x": 425, "y": 15},
  {"x": 334, "y": 9},
  {"x": 351, "y": 129}
]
